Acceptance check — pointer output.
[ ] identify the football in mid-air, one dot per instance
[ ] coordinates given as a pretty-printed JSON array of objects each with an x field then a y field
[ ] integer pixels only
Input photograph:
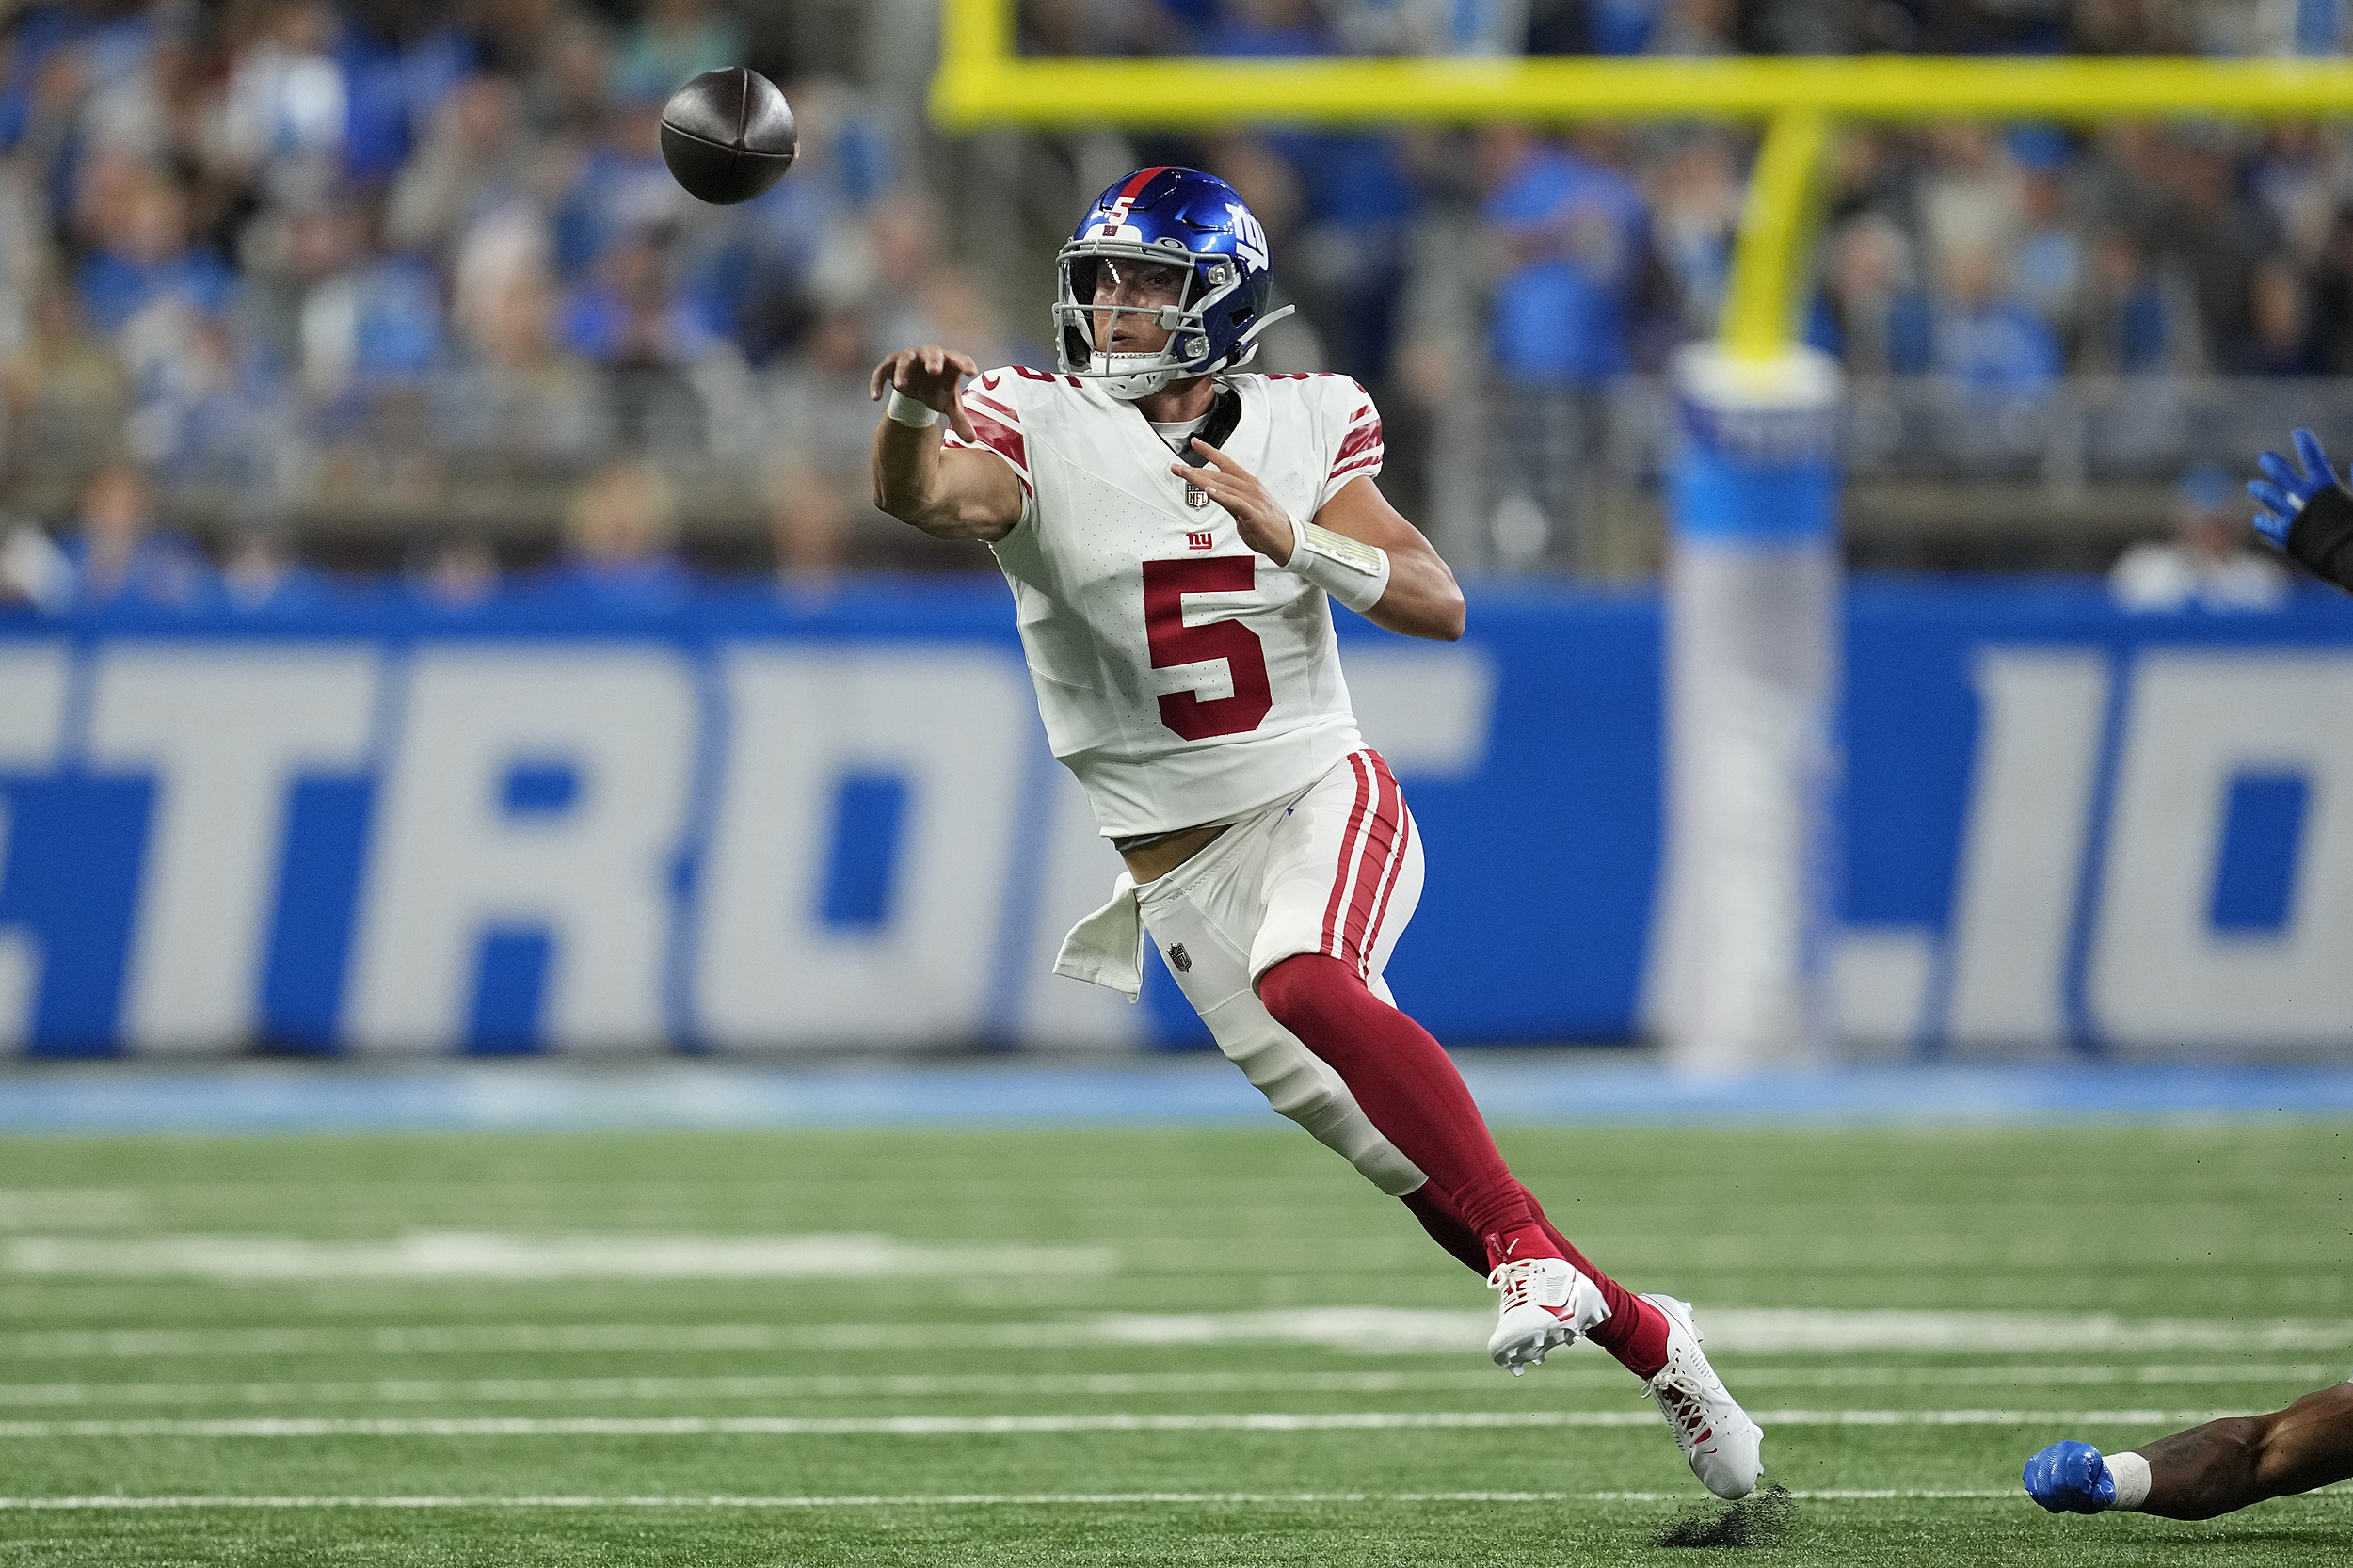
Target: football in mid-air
[{"x": 728, "y": 135}]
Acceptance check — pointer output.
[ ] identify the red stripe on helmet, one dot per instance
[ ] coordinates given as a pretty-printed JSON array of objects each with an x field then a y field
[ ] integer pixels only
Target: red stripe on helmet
[{"x": 1137, "y": 180}]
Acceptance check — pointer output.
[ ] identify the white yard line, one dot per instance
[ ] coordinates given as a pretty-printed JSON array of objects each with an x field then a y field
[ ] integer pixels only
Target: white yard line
[
  {"x": 527, "y": 1256},
  {"x": 1369, "y": 1330},
  {"x": 1027, "y": 1500},
  {"x": 1584, "y": 1371},
  {"x": 968, "y": 1500},
  {"x": 981, "y": 1425}
]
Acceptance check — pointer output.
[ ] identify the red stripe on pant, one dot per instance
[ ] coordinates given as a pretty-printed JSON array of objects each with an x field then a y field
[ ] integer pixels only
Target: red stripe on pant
[
  {"x": 1355, "y": 822},
  {"x": 1384, "y": 840},
  {"x": 1389, "y": 886}
]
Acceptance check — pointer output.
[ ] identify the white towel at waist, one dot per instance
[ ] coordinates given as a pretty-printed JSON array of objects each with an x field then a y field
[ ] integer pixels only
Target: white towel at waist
[{"x": 1106, "y": 948}]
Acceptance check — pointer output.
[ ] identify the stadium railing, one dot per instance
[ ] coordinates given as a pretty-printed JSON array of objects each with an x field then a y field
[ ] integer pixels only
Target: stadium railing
[{"x": 2055, "y": 472}]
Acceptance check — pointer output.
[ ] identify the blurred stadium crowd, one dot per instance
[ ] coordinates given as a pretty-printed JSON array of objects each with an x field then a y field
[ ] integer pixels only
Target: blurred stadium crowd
[{"x": 404, "y": 282}]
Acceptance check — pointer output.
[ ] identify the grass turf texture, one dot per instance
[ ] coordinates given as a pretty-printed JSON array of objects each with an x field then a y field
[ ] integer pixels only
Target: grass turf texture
[{"x": 2216, "y": 1224}]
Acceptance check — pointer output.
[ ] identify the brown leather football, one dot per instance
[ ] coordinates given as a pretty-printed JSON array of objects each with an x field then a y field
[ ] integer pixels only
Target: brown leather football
[{"x": 729, "y": 135}]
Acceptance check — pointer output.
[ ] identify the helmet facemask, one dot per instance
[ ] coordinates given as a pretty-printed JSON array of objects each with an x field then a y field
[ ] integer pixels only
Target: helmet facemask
[{"x": 1208, "y": 280}]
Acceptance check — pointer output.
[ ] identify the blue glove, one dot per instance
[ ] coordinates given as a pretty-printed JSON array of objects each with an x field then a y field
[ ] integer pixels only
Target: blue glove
[
  {"x": 2280, "y": 500},
  {"x": 2071, "y": 1478}
]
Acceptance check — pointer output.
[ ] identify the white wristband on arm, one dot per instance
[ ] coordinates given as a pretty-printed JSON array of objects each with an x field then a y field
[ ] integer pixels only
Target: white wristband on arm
[
  {"x": 912, "y": 413},
  {"x": 1350, "y": 570},
  {"x": 2131, "y": 1475}
]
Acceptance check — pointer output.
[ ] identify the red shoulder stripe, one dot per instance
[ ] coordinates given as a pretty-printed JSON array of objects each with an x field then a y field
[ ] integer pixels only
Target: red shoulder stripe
[
  {"x": 1002, "y": 439},
  {"x": 1360, "y": 440}
]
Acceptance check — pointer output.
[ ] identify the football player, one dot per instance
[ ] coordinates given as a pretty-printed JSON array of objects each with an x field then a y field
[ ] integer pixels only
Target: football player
[
  {"x": 1172, "y": 528},
  {"x": 2217, "y": 1469},
  {"x": 2308, "y": 515}
]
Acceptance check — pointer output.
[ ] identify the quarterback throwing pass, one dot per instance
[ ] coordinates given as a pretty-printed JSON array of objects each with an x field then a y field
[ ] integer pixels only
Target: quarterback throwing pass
[{"x": 1174, "y": 530}]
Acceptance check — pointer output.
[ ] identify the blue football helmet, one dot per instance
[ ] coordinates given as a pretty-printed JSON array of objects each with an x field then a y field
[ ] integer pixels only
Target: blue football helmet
[{"x": 1178, "y": 218}]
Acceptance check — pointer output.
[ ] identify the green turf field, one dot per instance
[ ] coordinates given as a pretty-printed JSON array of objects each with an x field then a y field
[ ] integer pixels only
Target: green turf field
[{"x": 1066, "y": 1347}]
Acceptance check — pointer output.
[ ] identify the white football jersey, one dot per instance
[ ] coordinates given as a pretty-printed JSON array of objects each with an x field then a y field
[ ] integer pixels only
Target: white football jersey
[{"x": 1183, "y": 676}]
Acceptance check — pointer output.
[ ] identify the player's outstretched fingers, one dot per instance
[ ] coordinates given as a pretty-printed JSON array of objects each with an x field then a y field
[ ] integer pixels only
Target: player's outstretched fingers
[
  {"x": 2278, "y": 470},
  {"x": 2274, "y": 511},
  {"x": 2316, "y": 461},
  {"x": 965, "y": 369}
]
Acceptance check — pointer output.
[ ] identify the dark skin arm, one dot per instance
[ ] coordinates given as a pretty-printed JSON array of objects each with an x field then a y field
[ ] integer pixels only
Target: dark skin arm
[
  {"x": 2227, "y": 1464},
  {"x": 1422, "y": 599}
]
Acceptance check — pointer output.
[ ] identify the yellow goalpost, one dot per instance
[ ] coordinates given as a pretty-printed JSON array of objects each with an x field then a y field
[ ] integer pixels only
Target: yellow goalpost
[{"x": 982, "y": 84}]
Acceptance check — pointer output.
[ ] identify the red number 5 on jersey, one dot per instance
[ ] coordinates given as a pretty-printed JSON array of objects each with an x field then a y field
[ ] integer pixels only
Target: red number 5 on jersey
[{"x": 1172, "y": 642}]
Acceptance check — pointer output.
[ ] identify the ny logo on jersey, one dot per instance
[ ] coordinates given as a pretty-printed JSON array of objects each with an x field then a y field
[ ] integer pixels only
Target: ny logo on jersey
[
  {"x": 1180, "y": 958},
  {"x": 1198, "y": 541}
]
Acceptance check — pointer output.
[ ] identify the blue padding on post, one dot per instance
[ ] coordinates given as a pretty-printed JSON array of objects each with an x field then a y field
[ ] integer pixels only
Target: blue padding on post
[{"x": 1713, "y": 496}]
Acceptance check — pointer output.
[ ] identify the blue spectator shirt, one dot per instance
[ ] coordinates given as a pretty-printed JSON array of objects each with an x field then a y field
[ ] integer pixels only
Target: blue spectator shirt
[
  {"x": 166, "y": 571},
  {"x": 1559, "y": 319},
  {"x": 116, "y": 288},
  {"x": 2000, "y": 348}
]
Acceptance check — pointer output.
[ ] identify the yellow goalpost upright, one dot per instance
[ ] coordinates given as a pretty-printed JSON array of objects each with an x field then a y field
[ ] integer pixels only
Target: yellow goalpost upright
[
  {"x": 1744, "y": 917},
  {"x": 983, "y": 84}
]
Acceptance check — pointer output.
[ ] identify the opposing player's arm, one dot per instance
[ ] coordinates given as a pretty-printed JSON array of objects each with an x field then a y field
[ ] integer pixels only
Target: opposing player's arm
[
  {"x": 1419, "y": 595},
  {"x": 948, "y": 492},
  {"x": 2215, "y": 1468}
]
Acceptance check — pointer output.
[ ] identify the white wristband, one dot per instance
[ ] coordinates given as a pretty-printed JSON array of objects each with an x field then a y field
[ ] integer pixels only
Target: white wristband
[
  {"x": 2131, "y": 1475},
  {"x": 1352, "y": 572},
  {"x": 911, "y": 412}
]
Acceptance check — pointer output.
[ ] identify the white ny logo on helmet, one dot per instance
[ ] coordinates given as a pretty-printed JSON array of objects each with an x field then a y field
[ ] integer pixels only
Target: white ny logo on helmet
[{"x": 1249, "y": 239}]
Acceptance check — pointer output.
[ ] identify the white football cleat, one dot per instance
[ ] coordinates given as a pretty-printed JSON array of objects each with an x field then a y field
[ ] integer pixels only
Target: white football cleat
[
  {"x": 1723, "y": 1446},
  {"x": 1546, "y": 1303}
]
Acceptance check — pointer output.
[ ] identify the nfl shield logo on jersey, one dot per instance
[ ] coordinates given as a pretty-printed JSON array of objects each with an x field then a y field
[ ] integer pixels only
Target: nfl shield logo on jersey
[
  {"x": 1195, "y": 497},
  {"x": 1180, "y": 958}
]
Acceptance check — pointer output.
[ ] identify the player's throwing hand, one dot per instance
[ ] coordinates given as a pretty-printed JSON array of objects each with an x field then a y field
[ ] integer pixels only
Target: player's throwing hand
[
  {"x": 2308, "y": 515},
  {"x": 931, "y": 375},
  {"x": 1265, "y": 526}
]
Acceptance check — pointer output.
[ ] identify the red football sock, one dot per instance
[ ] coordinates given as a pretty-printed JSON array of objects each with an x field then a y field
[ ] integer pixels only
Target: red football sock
[
  {"x": 1446, "y": 1227},
  {"x": 1408, "y": 1086},
  {"x": 1635, "y": 1331}
]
